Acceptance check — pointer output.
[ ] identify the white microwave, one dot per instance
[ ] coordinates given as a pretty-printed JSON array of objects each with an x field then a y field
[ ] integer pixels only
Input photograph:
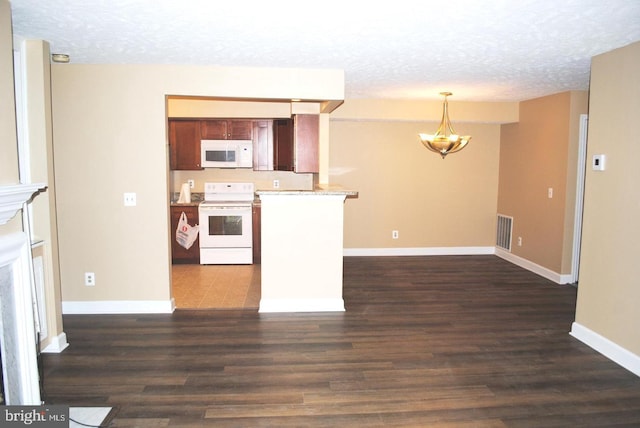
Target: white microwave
[{"x": 226, "y": 154}]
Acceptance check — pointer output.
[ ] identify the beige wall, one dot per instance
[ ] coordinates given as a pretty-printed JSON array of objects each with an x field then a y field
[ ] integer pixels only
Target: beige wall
[
  {"x": 38, "y": 137},
  {"x": 110, "y": 137},
  {"x": 8, "y": 139},
  {"x": 403, "y": 186},
  {"x": 538, "y": 153},
  {"x": 422, "y": 110},
  {"x": 190, "y": 107},
  {"x": 608, "y": 292}
]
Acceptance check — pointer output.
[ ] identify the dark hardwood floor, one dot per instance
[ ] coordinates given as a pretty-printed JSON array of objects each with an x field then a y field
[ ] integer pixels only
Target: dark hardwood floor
[{"x": 452, "y": 341}]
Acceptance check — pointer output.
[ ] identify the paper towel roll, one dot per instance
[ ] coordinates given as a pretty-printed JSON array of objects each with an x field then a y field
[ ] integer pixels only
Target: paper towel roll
[{"x": 185, "y": 194}]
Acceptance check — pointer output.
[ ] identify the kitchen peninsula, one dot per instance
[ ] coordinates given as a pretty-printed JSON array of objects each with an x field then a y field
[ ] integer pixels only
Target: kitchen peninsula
[{"x": 302, "y": 249}]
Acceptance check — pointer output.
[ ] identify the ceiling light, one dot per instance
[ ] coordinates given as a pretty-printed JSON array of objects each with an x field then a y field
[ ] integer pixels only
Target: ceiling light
[
  {"x": 445, "y": 140},
  {"x": 63, "y": 58}
]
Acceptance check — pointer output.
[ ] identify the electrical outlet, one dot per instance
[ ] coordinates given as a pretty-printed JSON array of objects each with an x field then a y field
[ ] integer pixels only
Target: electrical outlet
[
  {"x": 276, "y": 184},
  {"x": 129, "y": 199},
  {"x": 519, "y": 241},
  {"x": 192, "y": 183},
  {"x": 550, "y": 192},
  {"x": 395, "y": 234},
  {"x": 89, "y": 279}
]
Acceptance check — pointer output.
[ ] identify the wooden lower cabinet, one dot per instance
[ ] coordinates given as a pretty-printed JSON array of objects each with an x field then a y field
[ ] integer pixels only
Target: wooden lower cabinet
[
  {"x": 257, "y": 210},
  {"x": 179, "y": 254}
]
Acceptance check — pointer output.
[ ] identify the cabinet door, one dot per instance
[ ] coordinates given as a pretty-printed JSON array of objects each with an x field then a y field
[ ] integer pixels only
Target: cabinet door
[
  {"x": 213, "y": 129},
  {"x": 263, "y": 145},
  {"x": 179, "y": 254},
  {"x": 226, "y": 129},
  {"x": 283, "y": 145},
  {"x": 240, "y": 129},
  {"x": 257, "y": 237},
  {"x": 184, "y": 144},
  {"x": 306, "y": 140}
]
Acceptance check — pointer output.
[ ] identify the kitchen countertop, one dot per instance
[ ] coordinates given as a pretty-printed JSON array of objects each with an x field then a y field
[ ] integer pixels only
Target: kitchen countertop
[
  {"x": 185, "y": 204},
  {"x": 319, "y": 190}
]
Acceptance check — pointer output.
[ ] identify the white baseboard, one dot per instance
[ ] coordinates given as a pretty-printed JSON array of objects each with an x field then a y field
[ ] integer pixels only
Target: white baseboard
[
  {"x": 533, "y": 267},
  {"x": 461, "y": 251},
  {"x": 609, "y": 349},
  {"x": 301, "y": 305},
  {"x": 419, "y": 251},
  {"x": 119, "y": 307},
  {"x": 57, "y": 344}
]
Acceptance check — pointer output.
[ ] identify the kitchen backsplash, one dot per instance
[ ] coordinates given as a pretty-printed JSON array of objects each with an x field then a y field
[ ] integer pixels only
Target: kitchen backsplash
[{"x": 263, "y": 180}]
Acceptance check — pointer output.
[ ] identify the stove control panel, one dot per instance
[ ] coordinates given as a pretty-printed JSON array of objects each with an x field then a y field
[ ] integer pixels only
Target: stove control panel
[{"x": 228, "y": 191}]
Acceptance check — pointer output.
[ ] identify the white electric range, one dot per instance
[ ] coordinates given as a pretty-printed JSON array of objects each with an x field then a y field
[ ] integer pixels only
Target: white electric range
[{"x": 225, "y": 219}]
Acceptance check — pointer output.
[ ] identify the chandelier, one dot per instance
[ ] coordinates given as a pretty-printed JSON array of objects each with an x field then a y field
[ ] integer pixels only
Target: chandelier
[{"x": 445, "y": 140}]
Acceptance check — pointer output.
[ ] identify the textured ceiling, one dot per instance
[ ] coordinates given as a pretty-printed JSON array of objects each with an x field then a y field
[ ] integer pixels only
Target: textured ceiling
[{"x": 481, "y": 50}]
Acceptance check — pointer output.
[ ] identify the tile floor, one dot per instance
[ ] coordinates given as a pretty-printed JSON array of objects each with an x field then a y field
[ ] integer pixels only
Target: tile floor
[
  {"x": 216, "y": 286},
  {"x": 88, "y": 416}
]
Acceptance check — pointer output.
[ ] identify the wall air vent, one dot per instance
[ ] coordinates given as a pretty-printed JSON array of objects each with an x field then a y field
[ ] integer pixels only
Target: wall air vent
[{"x": 503, "y": 232}]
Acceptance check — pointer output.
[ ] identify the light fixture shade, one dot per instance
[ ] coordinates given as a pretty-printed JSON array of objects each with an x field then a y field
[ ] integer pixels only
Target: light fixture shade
[
  {"x": 445, "y": 140},
  {"x": 58, "y": 57}
]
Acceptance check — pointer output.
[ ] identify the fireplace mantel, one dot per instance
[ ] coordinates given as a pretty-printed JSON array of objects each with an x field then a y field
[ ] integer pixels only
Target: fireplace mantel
[
  {"x": 17, "y": 335},
  {"x": 12, "y": 197}
]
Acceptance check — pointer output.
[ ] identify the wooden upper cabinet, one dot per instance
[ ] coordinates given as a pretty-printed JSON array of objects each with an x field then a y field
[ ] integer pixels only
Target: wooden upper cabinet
[
  {"x": 306, "y": 142},
  {"x": 240, "y": 130},
  {"x": 221, "y": 129},
  {"x": 213, "y": 129},
  {"x": 283, "y": 145},
  {"x": 184, "y": 144},
  {"x": 263, "y": 145},
  {"x": 297, "y": 143},
  {"x": 280, "y": 144}
]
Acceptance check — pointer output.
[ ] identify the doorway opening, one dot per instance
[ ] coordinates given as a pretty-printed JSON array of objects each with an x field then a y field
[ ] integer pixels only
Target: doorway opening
[{"x": 577, "y": 231}]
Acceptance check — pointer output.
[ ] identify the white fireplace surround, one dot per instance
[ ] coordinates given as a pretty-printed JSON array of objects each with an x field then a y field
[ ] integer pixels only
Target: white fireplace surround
[{"x": 17, "y": 327}]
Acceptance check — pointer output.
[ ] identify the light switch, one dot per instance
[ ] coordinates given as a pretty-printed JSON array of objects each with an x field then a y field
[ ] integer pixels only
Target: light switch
[{"x": 597, "y": 163}]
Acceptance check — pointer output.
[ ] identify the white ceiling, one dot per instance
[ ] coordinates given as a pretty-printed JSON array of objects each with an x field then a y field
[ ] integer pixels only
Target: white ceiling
[{"x": 481, "y": 50}]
